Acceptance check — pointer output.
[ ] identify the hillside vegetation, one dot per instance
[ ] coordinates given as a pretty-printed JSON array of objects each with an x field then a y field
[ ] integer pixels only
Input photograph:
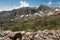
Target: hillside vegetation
[{"x": 51, "y": 22}]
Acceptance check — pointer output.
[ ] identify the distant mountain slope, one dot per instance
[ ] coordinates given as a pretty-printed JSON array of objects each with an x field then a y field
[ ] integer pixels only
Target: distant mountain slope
[
  {"x": 17, "y": 12},
  {"x": 43, "y": 7},
  {"x": 23, "y": 12}
]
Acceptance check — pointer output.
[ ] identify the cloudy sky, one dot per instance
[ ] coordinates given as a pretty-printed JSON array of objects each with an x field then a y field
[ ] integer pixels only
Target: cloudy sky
[{"x": 14, "y": 4}]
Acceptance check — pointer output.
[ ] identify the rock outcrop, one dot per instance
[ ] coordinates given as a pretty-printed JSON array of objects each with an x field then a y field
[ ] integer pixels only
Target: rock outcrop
[{"x": 23, "y": 35}]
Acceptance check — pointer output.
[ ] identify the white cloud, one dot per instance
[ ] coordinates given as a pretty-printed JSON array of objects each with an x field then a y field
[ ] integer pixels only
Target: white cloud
[
  {"x": 6, "y": 8},
  {"x": 21, "y": 4},
  {"x": 49, "y": 3},
  {"x": 24, "y": 4}
]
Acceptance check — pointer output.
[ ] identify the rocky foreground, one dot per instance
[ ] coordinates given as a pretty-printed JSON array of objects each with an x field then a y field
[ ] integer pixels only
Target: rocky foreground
[{"x": 39, "y": 35}]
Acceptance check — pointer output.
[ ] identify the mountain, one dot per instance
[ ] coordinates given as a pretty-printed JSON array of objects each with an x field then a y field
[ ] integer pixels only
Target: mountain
[
  {"x": 30, "y": 18},
  {"x": 17, "y": 12},
  {"x": 43, "y": 7},
  {"x": 24, "y": 12}
]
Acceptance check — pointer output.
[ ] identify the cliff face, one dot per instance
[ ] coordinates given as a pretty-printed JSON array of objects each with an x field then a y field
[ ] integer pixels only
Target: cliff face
[
  {"x": 17, "y": 13},
  {"x": 39, "y": 35}
]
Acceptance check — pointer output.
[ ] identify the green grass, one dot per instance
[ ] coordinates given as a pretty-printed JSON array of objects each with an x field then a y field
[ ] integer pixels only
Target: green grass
[{"x": 31, "y": 24}]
